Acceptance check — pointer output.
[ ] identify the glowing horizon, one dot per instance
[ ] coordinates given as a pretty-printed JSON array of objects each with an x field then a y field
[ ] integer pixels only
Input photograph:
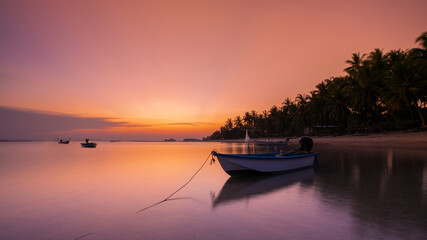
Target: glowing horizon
[{"x": 151, "y": 64}]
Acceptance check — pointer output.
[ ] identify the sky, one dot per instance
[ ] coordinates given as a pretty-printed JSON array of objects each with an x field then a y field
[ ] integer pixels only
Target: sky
[{"x": 149, "y": 70}]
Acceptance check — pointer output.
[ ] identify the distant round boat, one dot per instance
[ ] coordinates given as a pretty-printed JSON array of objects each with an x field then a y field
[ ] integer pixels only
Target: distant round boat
[
  {"x": 234, "y": 164},
  {"x": 88, "y": 144},
  {"x": 64, "y": 142}
]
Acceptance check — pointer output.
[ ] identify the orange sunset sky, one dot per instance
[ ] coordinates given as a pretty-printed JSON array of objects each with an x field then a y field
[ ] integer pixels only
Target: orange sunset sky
[{"x": 150, "y": 70}]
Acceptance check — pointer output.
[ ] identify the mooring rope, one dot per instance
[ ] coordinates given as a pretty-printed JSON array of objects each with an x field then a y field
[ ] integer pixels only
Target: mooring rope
[{"x": 169, "y": 198}]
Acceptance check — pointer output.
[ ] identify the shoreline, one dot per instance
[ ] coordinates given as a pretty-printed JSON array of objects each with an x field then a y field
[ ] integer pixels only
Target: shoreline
[{"x": 408, "y": 140}]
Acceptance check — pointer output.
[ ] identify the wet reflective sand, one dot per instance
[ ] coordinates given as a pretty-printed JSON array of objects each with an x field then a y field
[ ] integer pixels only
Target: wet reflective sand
[{"x": 55, "y": 191}]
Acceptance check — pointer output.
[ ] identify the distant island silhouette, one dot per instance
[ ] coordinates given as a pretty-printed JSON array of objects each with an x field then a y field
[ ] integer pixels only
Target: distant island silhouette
[{"x": 169, "y": 140}]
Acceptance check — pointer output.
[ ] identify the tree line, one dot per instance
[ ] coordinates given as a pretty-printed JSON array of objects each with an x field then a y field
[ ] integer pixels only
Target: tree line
[{"x": 380, "y": 91}]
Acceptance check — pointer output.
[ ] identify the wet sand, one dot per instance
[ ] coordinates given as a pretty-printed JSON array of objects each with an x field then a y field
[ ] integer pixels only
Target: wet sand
[{"x": 409, "y": 140}]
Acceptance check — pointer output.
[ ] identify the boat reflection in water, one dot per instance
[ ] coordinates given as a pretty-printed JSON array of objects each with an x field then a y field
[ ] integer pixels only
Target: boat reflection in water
[{"x": 244, "y": 187}]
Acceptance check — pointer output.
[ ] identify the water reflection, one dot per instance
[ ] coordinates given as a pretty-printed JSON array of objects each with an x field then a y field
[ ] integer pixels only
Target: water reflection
[
  {"x": 367, "y": 193},
  {"x": 52, "y": 192},
  {"x": 239, "y": 188},
  {"x": 382, "y": 188}
]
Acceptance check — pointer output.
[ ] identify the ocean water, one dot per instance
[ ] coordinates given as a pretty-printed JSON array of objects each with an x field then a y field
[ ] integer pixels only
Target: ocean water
[{"x": 54, "y": 191}]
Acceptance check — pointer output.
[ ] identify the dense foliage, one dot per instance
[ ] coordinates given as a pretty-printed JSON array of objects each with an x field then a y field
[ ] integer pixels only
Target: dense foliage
[{"x": 379, "y": 92}]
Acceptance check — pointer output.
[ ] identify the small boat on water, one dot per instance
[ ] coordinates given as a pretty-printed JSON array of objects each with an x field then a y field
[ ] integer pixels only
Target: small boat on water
[
  {"x": 234, "y": 164},
  {"x": 61, "y": 141},
  {"x": 273, "y": 143},
  {"x": 88, "y": 144}
]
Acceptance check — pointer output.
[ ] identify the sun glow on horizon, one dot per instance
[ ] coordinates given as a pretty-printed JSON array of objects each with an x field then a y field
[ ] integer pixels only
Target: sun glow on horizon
[{"x": 148, "y": 69}]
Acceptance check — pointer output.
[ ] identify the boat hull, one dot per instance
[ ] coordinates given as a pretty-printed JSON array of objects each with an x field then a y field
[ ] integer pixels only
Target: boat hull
[
  {"x": 234, "y": 164},
  {"x": 88, "y": 145}
]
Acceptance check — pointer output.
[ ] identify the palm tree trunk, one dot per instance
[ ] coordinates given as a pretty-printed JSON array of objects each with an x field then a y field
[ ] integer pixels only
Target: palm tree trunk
[
  {"x": 396, "y": 123},
  {"x": 423, "y": 127}
]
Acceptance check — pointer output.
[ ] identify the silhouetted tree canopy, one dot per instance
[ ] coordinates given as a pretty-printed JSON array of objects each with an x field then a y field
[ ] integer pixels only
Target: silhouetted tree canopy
[{"x": 380, "y": 92}]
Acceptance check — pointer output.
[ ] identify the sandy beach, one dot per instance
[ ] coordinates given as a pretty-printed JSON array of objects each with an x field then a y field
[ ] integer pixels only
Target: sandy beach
[{"x": 409, "y": 140}]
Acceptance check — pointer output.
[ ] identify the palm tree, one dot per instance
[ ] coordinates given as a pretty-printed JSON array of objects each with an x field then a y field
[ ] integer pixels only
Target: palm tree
[
  {"x": 274, "y": 115},
  {"x": 340, "y": 110},
  {"x": 320, "y": 103},
  {"x": 247, "y": 119},
  {"x": 254, "y": 115},
  {"x": 254, "y": 118},
  {"x": 238, "y": 122},
  {"x": 228, "y": 124},
  {"x": 301, "y": 117},
  {"x": 365, "y": 99},
  {"x": 355, "y": 63},
  {"x": 266, "y": 123},
  {"x": 404, "y": 88},
  {"x": 422, "y": 39},
  {"x": 420, "y": 61}
]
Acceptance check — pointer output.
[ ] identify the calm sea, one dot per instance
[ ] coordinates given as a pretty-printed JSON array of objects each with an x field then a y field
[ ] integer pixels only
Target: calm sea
[{"x": 53, "y": 191}]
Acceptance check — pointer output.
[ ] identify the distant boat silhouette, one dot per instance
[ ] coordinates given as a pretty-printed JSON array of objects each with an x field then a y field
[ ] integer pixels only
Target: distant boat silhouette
[
  {"x": 244, "y": 187},
  {"x": 88, "y": 144},
  {"x": 61, "y": 141}
]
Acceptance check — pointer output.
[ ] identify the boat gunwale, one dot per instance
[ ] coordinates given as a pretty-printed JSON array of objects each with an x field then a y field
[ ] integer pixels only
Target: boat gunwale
[{"x": 270, "y": 156}]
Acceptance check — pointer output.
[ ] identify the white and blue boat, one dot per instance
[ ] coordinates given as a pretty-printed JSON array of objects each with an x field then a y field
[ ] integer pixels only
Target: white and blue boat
[
  {"x": 266, "y": 162},
  {"x": 276, "y": 162}
]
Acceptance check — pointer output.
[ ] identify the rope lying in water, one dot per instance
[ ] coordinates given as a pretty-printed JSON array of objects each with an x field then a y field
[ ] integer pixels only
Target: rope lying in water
[{"x": 169, "y": 198}]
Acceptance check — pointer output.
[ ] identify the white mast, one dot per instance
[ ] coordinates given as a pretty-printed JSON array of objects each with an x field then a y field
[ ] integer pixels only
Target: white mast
[{"x": 247, "y": 138}]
